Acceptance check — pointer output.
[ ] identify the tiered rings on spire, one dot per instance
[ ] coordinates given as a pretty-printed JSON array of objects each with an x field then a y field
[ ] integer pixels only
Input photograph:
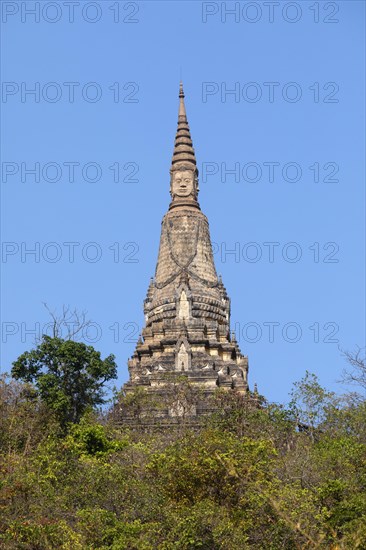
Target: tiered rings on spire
[{"x": 183, "y": 147}]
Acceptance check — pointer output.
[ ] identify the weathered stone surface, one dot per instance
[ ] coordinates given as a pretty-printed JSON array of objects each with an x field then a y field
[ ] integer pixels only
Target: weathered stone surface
[{"x": 187, "y": 309}]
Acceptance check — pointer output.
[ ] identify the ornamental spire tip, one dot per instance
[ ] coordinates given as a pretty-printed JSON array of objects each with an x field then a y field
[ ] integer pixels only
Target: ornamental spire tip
[
  {"x": 183, "y": 147},
  {"x": 183, "y": 189}
]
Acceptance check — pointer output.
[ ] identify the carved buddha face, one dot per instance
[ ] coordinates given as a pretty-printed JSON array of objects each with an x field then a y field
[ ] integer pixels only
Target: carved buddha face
[{"x": 183, "y": 183}]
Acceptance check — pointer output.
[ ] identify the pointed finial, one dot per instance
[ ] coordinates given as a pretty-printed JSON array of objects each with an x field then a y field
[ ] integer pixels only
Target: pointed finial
[{"x": 182, "y": 115}]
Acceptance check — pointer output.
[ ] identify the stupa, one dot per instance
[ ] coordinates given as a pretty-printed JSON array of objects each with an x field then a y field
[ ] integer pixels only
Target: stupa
[{"x": 187, "y": 309}]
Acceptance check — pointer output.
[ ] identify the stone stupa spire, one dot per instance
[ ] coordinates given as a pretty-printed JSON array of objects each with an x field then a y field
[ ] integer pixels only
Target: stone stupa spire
[{"x": 187, "y": 309}]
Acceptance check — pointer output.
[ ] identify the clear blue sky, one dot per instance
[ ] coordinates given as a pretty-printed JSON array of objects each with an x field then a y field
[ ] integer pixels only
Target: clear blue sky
[{"x": 310, "y": 51}]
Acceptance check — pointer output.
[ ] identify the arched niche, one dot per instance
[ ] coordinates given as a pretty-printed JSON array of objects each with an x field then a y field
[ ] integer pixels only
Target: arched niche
[
  {"x": 183, "y": 303},
  {"x": 182, "y": 355}
]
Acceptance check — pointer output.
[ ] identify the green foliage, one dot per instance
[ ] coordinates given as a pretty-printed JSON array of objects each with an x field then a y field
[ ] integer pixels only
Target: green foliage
[
  {"x": 90, "y": 439},
  {"x": 249, "y": 479},
  {"x": 42, "y": 534},
  {"x": 68, "y": 376},
  {"x": 212, "y": 465},
  {"x": 310, "y": 401}
]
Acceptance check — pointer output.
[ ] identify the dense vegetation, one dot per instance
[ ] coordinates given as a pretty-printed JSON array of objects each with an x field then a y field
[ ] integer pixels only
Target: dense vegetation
[{"x": 256, "y": 477}]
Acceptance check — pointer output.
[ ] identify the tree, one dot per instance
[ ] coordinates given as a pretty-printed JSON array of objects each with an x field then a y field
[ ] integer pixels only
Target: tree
[
  {"x": 69, "y": 376},
  {"x": 310, "y": 402}
]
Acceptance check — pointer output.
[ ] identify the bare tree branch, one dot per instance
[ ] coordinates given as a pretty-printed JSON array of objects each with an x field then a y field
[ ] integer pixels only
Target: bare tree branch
[
  {"x": 356, "y": 374},
  {"x": 73, "y": 321}
]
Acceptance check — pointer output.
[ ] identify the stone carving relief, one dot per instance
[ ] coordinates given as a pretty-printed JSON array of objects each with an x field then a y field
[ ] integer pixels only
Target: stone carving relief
[{"x": 183, "y": 182}]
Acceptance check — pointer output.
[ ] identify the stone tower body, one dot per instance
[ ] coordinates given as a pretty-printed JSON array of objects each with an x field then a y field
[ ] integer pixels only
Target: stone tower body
[{"x": 187, "y": 309}]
